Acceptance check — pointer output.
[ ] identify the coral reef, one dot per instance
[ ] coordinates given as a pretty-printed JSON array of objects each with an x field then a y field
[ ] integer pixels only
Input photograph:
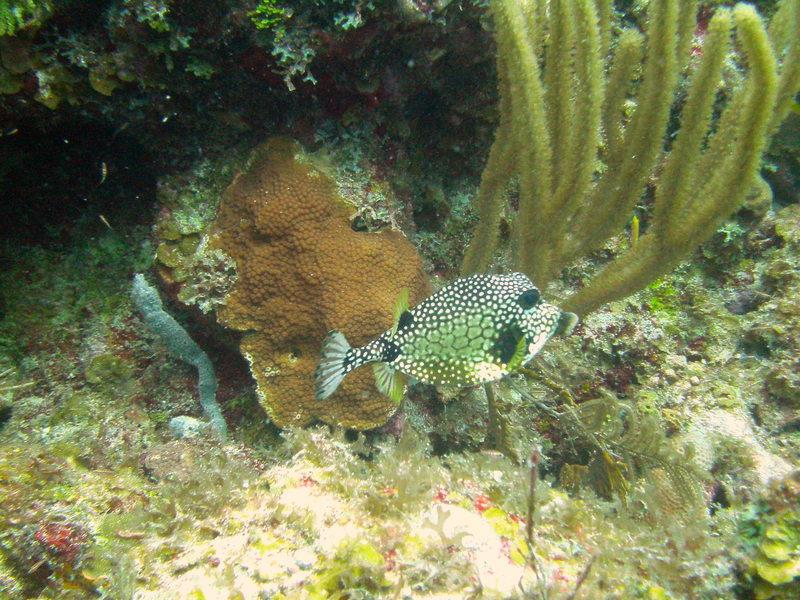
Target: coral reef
[
  {"x": 233, "y": 72},
  {"x": 195, "y": 274},
  {"x": 303, "y": 271},
  {"x": 663, "y": 436}
]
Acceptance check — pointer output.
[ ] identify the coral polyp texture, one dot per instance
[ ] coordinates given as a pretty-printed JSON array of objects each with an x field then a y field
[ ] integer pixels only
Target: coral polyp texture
[{"x": 303, "y": 271}]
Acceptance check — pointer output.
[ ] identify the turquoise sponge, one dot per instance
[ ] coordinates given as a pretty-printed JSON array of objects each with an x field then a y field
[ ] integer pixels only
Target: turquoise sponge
[{"x": 146, "y": 299}]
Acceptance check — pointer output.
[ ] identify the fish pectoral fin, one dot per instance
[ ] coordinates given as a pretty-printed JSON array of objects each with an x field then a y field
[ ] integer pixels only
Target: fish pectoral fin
[
  {"x": 389, "y": 381},
  {"x": 507, "y": 346},
  {"x": 400, "y": 308},
  {"x": 519, "y": 354},
  {"x": 566, "y": 323}
]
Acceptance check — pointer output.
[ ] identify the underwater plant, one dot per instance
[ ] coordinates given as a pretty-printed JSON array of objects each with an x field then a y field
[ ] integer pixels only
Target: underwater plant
[{"x": 584, "y": 157}]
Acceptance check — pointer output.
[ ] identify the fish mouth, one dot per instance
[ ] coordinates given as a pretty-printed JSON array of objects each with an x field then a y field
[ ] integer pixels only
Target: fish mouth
[{"x": 566, "y": 323}]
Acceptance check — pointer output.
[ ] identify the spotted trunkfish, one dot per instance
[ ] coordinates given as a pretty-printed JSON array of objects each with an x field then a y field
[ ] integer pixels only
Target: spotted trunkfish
[{"x": 475, "y": 330}]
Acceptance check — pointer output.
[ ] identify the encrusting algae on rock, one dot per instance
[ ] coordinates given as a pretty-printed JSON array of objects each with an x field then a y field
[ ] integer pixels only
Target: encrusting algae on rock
[{"x": 303, "y": 271}]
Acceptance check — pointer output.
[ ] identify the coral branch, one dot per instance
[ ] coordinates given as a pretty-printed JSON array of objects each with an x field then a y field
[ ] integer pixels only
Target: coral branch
[{"x": 583, "y": 164}]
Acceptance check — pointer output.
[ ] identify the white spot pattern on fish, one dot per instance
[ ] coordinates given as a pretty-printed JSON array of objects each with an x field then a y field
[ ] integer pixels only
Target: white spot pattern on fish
[{"x": 475, "y": 330}]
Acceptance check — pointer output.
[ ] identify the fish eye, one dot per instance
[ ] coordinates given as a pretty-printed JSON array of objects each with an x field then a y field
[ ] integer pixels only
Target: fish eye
[{"x": 529, "y": 298}]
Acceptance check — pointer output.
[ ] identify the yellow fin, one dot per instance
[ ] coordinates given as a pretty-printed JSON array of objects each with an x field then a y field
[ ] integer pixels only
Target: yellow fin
[
  {"x": 400, "y": 307},
  {"x": 389, "y": 381}
]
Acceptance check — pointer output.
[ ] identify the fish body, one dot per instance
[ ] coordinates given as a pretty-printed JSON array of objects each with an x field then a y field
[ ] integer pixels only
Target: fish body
[{"x": 474, "y": 330}]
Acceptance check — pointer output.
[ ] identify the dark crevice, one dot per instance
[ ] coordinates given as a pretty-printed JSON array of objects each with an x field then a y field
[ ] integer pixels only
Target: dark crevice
[
  {"x": 5, "y": 416},
  {"x": 57, "y": 179}
]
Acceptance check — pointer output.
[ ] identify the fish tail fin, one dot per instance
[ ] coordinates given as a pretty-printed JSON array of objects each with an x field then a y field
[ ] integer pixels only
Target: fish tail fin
[{"x": 332, "y": 366}]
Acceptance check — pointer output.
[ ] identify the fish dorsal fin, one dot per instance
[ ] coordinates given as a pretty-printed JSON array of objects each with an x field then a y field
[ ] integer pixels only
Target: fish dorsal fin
[
  {"x": 519, "y": 354},
  {"x": 400, "y": 307},
  {"x": 389, "y": 381}
]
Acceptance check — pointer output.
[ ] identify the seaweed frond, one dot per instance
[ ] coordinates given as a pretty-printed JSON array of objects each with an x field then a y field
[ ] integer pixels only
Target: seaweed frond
[
  {"x": 615, "y": 445},
  {"x": 18, "y": 14}
]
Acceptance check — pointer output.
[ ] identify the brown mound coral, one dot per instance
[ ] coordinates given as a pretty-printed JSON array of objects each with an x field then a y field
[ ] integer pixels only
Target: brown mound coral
[{"x": 303, "y": 271}]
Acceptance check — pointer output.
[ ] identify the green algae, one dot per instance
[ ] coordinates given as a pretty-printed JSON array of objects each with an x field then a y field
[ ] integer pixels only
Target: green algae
[
  {"x": 770, "y": 531},
  {"x": 63, "y": 288},
  {"x": 663, "y": 298},
  {"x": 778, "y": 561},
  {"x": 356, "y": 569},
  {"x": 110, "y": 371}
]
